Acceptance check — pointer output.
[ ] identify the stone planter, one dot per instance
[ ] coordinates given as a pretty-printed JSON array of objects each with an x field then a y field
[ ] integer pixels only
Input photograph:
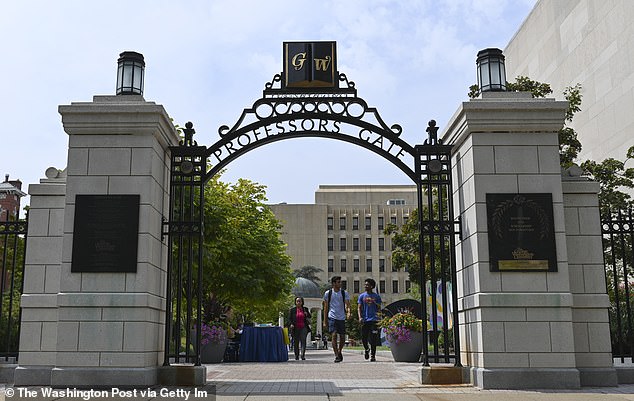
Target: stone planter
[
  {"x": 213, "y": 352},
  {"x": 409, "y": 351}
]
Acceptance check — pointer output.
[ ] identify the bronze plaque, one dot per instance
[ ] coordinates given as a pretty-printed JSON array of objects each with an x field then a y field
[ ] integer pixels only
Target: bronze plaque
[
  {"x": 521, "y": 232},
  {"x": 310, "y": 65},
  {"x": 105, "y": 235}
]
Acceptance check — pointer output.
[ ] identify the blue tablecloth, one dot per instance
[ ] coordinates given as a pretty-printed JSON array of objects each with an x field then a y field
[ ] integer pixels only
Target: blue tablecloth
[{"x": 263, "y": 344}]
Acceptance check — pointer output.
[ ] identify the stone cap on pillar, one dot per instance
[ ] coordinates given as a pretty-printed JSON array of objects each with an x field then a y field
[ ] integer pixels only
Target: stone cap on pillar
[
  {"x": 119, "y": 115},
  {"x": 505, "y": 112}
]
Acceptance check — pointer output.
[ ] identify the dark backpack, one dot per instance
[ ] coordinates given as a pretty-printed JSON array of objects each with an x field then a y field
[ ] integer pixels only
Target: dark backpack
[{"x": 343, "y": 296}]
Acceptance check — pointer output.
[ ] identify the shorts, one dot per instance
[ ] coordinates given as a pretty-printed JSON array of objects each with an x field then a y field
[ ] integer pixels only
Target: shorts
[{"x": 338, "y": 326}]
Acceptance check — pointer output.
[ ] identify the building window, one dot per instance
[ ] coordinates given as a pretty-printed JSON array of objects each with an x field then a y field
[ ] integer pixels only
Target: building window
[
  {"x": 368, "y": 222},
  {"x": 342, "y": 243},
  {"x": 368, "y": 244},
  {"x": 393, "y": 246},
  {"x": 395, "y": 286},
  {"x": 355, "y": 244},
  {"x": 330, "y": 223},
  {"x": 405, "y": 218},
  {"x": 344, "y": 266},
  {"x": 408, "y": 285},
  {"x": 344, "y": 284},
  {"x": 331, "y": 244},
  {"x": 342, "y": 223},
  {"x": 356, "y": 286},
  {"x": 393, "y": 220},
  {"x": 396, "y": 202},
  {"x": 382, "y": 286},
  {"x": 381, "y": 224},
  {"x": 355, "y": 265},
  {"x": 381, "y": 244},
  {"x": 394, "y": 269},
  {"x": 381, "y": 265},
  {"x": 368, "y": 265},
  {"x": 331, "y": 265},
  {"x": 355, "y": 222}
]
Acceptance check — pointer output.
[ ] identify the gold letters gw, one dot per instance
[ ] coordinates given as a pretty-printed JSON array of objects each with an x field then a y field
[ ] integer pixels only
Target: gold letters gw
[{"x": 320, "y": 63}]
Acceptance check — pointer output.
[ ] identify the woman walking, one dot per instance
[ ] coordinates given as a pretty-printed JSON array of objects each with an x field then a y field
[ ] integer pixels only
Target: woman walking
[{"x": 299, "y": 318}]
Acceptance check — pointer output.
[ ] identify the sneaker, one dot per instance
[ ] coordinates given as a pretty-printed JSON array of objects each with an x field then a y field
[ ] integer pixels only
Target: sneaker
[
  {"x": 296, "y": 358},
  {"x": 373, "y": 359},
  {"x": 338, "y": 359},
  {"x": 367, "y": 354},
  {"x": 303, "y": 358}
]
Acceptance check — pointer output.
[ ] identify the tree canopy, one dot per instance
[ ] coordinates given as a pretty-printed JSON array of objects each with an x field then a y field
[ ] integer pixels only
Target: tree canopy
[
  {"x": 245, "y": 261},
  {"x": 309, "y": 272}
]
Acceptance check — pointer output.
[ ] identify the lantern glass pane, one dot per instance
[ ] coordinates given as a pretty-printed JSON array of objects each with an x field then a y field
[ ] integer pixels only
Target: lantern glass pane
[
  {"x": 138, "y": 78},
  {"x": 495, "y": 74},
  {"x": 484, "y": 75},
  {"x": 119, "y": 77},
  {"x": 127, "y": 76}
]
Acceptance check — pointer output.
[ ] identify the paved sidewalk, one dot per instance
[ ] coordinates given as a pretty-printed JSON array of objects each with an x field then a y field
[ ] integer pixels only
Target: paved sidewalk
[
  {"x": 355, "y": 379},
  {"x": 318, "y": 378}
]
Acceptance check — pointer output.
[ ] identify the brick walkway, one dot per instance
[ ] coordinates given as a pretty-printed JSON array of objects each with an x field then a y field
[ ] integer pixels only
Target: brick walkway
[{"x": 318, "y": 378}]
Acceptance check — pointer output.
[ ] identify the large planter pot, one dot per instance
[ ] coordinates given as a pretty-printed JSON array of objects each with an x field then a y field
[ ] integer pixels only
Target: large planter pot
[
  {"x": 213, "y": 352},
  {"x": 408, "y": 351}
]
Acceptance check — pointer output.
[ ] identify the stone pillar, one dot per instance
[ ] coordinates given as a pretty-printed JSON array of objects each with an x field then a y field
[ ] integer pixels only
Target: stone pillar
[
  {"x": 110, "y": 326},
  {"x": 38, "y": 332},
  {"x": 590, "y": 302},
  {"x": 516, "y": 327}
]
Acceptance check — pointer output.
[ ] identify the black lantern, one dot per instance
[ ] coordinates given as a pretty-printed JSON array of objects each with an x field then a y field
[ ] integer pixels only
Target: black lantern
[
  {"x": 491, "y": 71},
  {"x": 130, "y": 73}
]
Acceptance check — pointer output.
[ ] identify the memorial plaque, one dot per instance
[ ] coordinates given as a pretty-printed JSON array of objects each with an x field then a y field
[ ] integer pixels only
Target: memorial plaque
[
  {"x": 105, "y": 234},
  {"x": 521, "y": 232}
]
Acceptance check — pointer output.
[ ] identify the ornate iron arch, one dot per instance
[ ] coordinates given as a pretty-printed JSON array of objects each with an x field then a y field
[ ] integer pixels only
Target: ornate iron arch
[
  {"x": 335, "y": 113},
  {"x": 339, "y": 115}
]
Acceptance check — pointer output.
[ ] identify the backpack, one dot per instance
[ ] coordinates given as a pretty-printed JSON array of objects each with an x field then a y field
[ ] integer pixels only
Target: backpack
[{"x": 343, "y": 296}]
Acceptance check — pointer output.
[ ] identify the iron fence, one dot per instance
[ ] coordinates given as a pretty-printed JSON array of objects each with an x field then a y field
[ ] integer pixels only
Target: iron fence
[
  {"x": 12, "y": 252},
  {"x": 618, "y": 236}
]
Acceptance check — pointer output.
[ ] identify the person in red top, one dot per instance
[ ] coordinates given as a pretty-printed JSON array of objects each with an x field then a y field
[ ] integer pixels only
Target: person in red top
[{"x": 299, "y": 318}]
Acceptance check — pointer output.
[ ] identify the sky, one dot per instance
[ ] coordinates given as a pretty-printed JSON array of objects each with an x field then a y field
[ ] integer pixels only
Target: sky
[{"x": 206, "y": 61}]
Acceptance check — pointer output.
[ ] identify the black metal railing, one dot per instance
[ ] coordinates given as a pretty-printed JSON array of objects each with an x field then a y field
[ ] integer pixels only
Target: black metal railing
[
  {"x": 12, "y": 252},
  {"x": 618, "y": 236}
]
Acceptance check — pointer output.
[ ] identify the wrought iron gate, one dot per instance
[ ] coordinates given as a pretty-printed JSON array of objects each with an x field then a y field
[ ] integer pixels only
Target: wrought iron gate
[
  {"x": 618, "y": 237},
  {"x": 12, "y": 252},
  {"x": 437, "y": 242},
  {"x": 334, "y": 112}
]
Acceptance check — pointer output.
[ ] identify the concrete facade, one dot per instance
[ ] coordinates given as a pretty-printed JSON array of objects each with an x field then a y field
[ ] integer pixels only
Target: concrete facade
[
  {"x": 526, "y": 329},
  {"x": 98, "y": 329},
  {"x": 566, "y": 42},
  {"x": 339, "y": 218}
]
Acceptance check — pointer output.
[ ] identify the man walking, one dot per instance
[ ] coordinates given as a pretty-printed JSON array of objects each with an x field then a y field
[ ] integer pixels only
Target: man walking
[
  {"x": 336, "y": 310},
  {"x": 368, "y": 311}
]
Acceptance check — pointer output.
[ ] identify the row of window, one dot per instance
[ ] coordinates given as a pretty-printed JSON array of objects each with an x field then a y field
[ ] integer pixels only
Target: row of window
[
  {"x": 355, "y": 222},
  {"x": 356, "y": 286},
  {"x": 343, "y": 244},
  {"x": 356, "y": 265}
]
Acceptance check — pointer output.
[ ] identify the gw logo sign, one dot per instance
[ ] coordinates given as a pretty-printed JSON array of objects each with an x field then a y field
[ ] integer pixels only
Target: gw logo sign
[{"x": 310, "y": 65}]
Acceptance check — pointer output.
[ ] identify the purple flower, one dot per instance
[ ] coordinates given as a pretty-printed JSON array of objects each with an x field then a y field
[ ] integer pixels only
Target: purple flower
[{"x": 212, "y": 334}]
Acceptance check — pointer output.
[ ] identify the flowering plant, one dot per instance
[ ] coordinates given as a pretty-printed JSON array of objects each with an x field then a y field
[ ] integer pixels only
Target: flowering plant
[
  {"x": 398, "y": 328},
  {"x": 215, "y": 333}
]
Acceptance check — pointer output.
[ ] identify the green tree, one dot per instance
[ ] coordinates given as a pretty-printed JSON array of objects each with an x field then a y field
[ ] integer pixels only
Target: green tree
[
  {"x": 245, "y": 264},
  {"x": 309, "y": 272}
]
